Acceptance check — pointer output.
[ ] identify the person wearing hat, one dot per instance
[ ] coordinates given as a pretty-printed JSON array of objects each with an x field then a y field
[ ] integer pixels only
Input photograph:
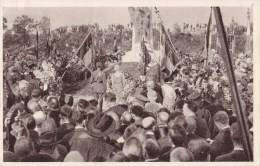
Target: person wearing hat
[
  {"x": 169, "y": 94},
  {"x": 96, "y": 148}
]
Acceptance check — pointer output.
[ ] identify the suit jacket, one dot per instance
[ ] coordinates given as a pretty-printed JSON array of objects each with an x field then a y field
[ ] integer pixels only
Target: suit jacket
[
  {"x": 235, "y": 155},
  {"x": 93, "y": 149},
  {"x": 222, "y": 144},
  {"x": 202, "y": 128}
]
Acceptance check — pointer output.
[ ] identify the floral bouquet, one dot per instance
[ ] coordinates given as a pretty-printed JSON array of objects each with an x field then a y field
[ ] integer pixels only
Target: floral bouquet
[
  {"x": 129, "y": 84},
  {"x": 47, "y": 75}
]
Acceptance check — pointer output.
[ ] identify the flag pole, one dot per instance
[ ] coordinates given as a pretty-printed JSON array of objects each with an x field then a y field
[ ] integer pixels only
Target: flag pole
[{"x": 232, "y": 81}]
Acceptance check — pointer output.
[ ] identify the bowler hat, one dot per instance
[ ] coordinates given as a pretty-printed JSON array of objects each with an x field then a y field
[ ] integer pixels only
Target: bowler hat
[{"x": 101, "y": 125}]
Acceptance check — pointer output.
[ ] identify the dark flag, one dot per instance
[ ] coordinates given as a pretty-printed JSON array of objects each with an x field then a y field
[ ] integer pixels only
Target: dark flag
[
  {"x": 169, "y": 58},
  {"x": 37, "y": 43},
  {"x": 86, "y": 52},
  {"x": 208, "y": 36}
]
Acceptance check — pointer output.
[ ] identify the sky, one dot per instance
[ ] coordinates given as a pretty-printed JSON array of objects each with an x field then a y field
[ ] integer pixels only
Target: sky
[{"x": 61, "y": 16}]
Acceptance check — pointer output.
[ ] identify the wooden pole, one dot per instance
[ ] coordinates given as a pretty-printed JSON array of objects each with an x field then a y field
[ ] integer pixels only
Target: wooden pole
[{"x": 232, "y": 82}]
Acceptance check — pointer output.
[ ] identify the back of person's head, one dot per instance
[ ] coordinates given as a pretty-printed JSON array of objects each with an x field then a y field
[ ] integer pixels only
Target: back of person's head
[
  {"x": 36, "y": 93},
  {"x": 66, "y": 111},
  {"x": 83, "y": 104},
  {"x": 129, "y": 131},
  {"x": 192, "y": 106},
  {"x": 78, "y": 116},
  {"x": 30, "y": 123},
  {"x": 132, "y": 147},
  {"x": 60, "y": 152},
  {"x": 151, "y": 149},
  {"x": 177, "y": 135},
  {"x": 22, "y": 147},
  {"x": 93, "y": 102},
  {"x": 179, "y": 105},
  {"x": 137, "y": 111},
  {"x": 200, "y": 149},
  {"x": 221, "y": 117},
  {"x": 118, "y": 157},
  {"x": 236, "y": 134},
  {"x": 191, "y": 125},
  {"x": 181, "y": 121},
  {"x": 181, "y": 154},
  {"x": 48, "y": 125},
  {"x": 9, "y": 157}
]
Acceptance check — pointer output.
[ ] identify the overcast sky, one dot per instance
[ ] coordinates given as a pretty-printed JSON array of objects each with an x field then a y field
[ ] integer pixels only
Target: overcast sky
[{"x": 60, "y": 16}]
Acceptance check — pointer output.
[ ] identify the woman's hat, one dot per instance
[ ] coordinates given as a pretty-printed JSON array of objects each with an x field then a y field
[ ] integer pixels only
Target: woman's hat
[{"x": 101, "y": 125}]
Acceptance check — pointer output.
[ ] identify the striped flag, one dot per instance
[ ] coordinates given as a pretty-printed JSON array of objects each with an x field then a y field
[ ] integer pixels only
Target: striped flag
[
  {"x": 169, "y": 58},
  {"x": 86, "y": 52}
]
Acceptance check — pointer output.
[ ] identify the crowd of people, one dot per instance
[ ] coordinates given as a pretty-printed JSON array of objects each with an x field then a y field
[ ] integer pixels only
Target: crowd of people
[{"x": 184, "y": 115}]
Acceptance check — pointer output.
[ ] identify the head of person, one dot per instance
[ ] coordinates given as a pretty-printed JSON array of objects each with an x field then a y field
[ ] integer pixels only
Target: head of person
[
  {"x": 179, "y": 120},
  {"x": 151, "y": 149},
  {"x": 69, "y": 100},
  {"x": 39, "y": 117},
  {"x": 66, "y": 113},
  {"x": 82, "y": 105},
  {"x": 53, "y": 103},
  {"x": 22, "y": 147},
  {"x": 60, "y": 152},
  {"x": 200, "y": 149},
  {"x": 74, "y": 156},
  {"x": 177, "y": 135},
  {"x": 132, "y": 149},
  {"x": 47, "y": 126},
  {"x": 148, "y": 123},
  {"x": 78, "y": 118},
  {"x": 152, "y": 95},
  {"x": 236, "y": 135},
  {"x": 221, "y": 119},
  {"x": 126, "y": 118},
  {"x": 119, "y": 157},
  {"x": 150, "y": 84},
  {"x": 189, "y": 108},
  {"x": 34, "y": 106},
  {"x": 181, "y": 154},
  {"x": 137, "y": 111},
  {"x": 36, "y": 93},
  {"x": 179, "y": 105},
  {"x": 163, "y": 116},
  {"x": 30, "y": 123}
]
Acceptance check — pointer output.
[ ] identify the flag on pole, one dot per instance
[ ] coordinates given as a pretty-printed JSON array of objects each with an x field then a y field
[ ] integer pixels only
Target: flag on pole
[
  {"x": 169, "y": 58},
  {"x": 248, "y": 47},
  {"x": 37, "y": 43},
  {"x": 208, "y": 36},
  {"x": 86, "y": 52}
]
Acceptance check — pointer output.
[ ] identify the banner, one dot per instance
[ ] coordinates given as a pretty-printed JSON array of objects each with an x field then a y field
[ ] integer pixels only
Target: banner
[
  {"x": 169, "y": 54},
  {"x": 142, "y": 21},
  {"x": 85, "y": 52}
]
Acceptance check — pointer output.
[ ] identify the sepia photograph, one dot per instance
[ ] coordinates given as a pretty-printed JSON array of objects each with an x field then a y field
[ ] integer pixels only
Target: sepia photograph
[{"x": 128, "y": 84}]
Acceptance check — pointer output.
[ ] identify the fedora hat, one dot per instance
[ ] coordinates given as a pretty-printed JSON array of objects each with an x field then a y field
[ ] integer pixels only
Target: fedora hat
[{"x": 101, "y": 125}]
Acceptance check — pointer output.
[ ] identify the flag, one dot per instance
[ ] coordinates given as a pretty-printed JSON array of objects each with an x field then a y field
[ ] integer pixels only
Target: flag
[
  {"x": 169, "y": 56},
  {"x": 86, "y": 52},
  {"x": 208, "y": 33},
  {"x": 37, "y": 43},
  {"x": 248, "y": 47},
  {"x": 233, "y": 42},
  {"x": 142, "y": 21}
]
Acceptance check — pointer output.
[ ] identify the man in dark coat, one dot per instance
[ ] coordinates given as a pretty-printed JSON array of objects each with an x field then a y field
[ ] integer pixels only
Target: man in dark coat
[
  {"x": 222, "y": 143},
  {"x": 238, "y": 153},
  {"x": 97, "y": 148}
]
